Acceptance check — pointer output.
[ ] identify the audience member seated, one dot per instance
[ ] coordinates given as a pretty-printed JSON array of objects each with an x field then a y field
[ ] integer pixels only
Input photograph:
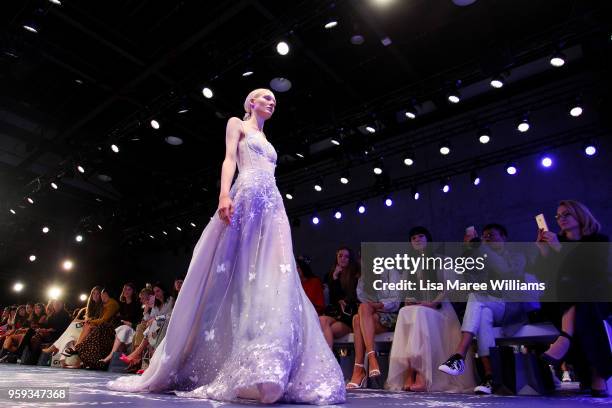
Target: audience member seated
[
  {"x": 68, "y": 339},
  {"x": 57, "y": 322},
  {"x": 176, "y": 287},
  {"x": 96, "y": 345},
  {"x": 583, "y": 339},
  {"x": 426, "y": 332},
  {"x": 155, "y": 319},
  {"x": 17, "y": 325},
  {"x": 311, "y": 284},
  {"x": 37, "y": 318},
  {"x": 377, "y": 313},
  {"x": 486, "y": 310},
  {"x": 130, "y": 314},
  {"x": 337, "y": 319}
]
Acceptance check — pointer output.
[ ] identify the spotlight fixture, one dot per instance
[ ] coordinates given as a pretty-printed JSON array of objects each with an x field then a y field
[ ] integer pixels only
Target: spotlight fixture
[
  {"x": 83, "y": 297},
  {"x": 557, "y": 59},
  {"x": 67, "y": 265},
  {"x": 31, "y": 27},
  {"x": 78, "y": 238},
  {"x": 165, "y": 233},
  {"x": 315, "y": 219},
  {"x": 178, "y": 228},
  {"x": 300, "y": 155},
  {"x": 282, "y": 48},
  {"x": 378, "y": 170},
  {"x": 337, "y": 214},
  {"x": 331, "y": 24},
  {"x": 192, "y": 224},
  {"x": 411, "y": 111},
  {"x": 81, "y": 169},
  {"x": 415, "y": 193},
  {"x": 207, "y": 92},
  {"x": 576, "y": 108},
  {"x": 345, "y": 177},
  {"x": 445, "y": 185},
  {"x": 497, "y": 82},
  {"x": 18, "y": 287},
  {"x": 484, "y": 135},
  {"x": 475, "y": 178},
  {"x": 155, "y": 124},
  {"x": 99, "y": 227},
  {"x": 247, "y": 73},
  {"x": 370, "y": 129},
  {"x": 54, "y": 185},
  {"x": 511, "y": 169},
  {"x": 30, "y": 200},
  {"x": 388, "y": 201},
  {"x": 454, "y": 97},
  {"x": 56, "y": 2},
  {"x": 408, "y": 159},
  {"x": 335, "y": 142},
  {"x": 361, "y": 208},
  {"x": 523, "y": 125},
  {"x": 45, "y": 230},
  {"x": 590, "y": 148},
  {"x": 546, "y": 161},
  {"x": 12, "y": 211},
  {"x": 115, "y": 148},
  {"x": 318, "y": 187},
  {"x": 32, "y": 258},
  {"x": 54, "y": 293},
  {"x": 289, "y": 194},
  {"x": 445, "y": 148}
]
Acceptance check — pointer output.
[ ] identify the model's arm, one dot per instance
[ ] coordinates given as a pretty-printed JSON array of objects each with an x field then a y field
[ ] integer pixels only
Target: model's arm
[{"x": 232, "y": 135}]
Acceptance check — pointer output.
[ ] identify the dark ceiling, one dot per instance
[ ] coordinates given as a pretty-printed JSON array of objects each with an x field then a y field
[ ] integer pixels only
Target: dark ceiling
[{"x": 96, "y": 73}]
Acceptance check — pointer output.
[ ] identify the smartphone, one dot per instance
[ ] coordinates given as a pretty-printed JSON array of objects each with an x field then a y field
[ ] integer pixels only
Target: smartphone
[{"x": 541, "y": 221}]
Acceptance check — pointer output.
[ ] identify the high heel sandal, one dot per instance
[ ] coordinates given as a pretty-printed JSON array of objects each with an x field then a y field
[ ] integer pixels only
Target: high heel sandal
[
  {"x": 362, "y": 383},
  {"x": 376, "y": 372},
  {"x": 548, "y": 359}
]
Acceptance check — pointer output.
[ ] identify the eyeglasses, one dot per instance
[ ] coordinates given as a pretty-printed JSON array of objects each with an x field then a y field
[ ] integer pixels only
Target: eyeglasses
[{"x": 563, "y": 215}]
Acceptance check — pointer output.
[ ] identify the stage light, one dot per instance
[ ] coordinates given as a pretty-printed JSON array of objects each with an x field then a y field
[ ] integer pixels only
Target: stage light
[
  {"x": 345, "y": 178},
  {"x": 331, "y": 24},
  {"x": 546, "y": 162},
  {"x": 54, "y": 185},
  {"x": 192, "y": 224},
  {"x": 289, "y": 194},
  {"x": 415, "y": 193},
  {"x": 318, "y": 187},
  {"x": 576, "y": 111},
  {"x": 361, "y": 208},
  {"x": 484, "y": 136},
  {"x": 445, "y": 185},
  {"x": 335, "y": 142},
  {"x": 18, "y": 287},
  {"x": 32, "y": 258},
  {"x": 207, "y": 92},
  {"x": 511, "y": 169},
  {"x": 115, "y": 148},
  {"x": 590, "y": 148},
  {"x": 411, "y": 112},
  {"x": 247, "y": 73},
  {"x": 557, "y": 59},
  {"x": 300, "y": 155},
  {"x": 83, "y": 297},
  {"x": 81, "y": 169},
  {"x": 67, "y": 265},
  {"x": 377, "y": 170},
  {"x": 173, "y": 140},
  {"x": 45, "y": 230},
  {"x": 454, "y": 96},
  {"x": 151, "y": 236},
  {"x": 370, "y": 129},
  {"x": 408, "y": 161},
  {"x": 164, "y": 232},
  {"x": 282, "y": 48},
  {"x": 388, "y": 201},
  {"x": 315, "y": 220},
  {"x": 56, "y": 2},
  {"x": 523, "y": 126},
  {"x": 30, "y": 200},
  {"x": 78, "y": 238},
  {"x": 445, "y": 148},
  {"x": 497, "y": 82},
  {"x": 54, "y": 292},
  {"x": 337, "y": 214},
  {"x": 99, "y": 227},
  {"x": 475, "y": 178},
  {"x": 179, "y": 228},
  {"x": 31, "y": 27},
  {"x": 155, "y": 124}
]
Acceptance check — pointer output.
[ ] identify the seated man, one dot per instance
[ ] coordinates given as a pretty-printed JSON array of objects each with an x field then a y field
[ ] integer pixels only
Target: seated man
[{"x": 486, "y": 310}]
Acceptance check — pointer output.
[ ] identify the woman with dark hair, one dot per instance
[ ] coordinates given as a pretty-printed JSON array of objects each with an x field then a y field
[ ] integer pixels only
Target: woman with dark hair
[
  {"x": 582, "y": 271},
  {"x": 311, "y": 284},
  {"x": 337, "y": 319},
  {"x": 68, "y": 339},
  {"x": 57, "y": 323},
  {"x": 35, "y": 320},
  {"x": 176, "y": 287},
  {"x": 130, "y": 314}
]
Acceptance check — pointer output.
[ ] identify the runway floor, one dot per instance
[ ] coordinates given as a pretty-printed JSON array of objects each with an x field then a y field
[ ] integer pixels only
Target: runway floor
[{"x": 87, "y": 389}]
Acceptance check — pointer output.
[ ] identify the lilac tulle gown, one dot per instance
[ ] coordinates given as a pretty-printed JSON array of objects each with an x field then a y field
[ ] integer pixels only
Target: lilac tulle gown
[{"x": 242, "y": 317}]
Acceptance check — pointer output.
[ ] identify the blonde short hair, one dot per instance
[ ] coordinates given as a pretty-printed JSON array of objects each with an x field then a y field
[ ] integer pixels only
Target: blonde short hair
[
  {"x": 588, "y": 223},
  {"x": 252, "y": 95}
]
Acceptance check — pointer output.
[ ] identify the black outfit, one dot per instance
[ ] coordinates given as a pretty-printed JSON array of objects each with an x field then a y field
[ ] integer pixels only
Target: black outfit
[
  {"x": 130, "y": 312},
  {"x": 589, "y": 345},
  {"x": 346, "y": 292}
]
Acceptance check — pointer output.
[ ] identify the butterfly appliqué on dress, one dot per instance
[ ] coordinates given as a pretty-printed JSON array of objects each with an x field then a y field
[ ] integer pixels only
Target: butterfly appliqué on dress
[
  {"x": 221, "y": 268},
  {"x": 285, "y": 268},
  {"x": 209, "y": 335}
]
